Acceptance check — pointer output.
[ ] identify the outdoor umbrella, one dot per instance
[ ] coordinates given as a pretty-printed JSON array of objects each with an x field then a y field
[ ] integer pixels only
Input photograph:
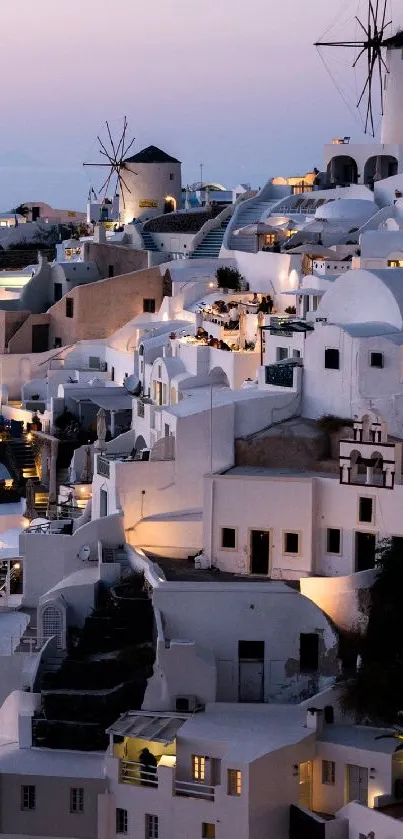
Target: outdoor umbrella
[
  {"x": 101, "y": 429},
  {"x": 86, "y": 474}
]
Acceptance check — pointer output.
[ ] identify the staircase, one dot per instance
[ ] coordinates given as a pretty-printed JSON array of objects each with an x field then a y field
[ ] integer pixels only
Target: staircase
[
  {"x": 22, "y": 455},
  {"x": 250, "y": 214},
  {"x": 148, "y": 240},
  {"x": 210, "y": 246}
]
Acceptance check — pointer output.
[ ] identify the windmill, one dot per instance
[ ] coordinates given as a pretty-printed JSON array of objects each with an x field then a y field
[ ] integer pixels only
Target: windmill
[
  {"x": 371, "y": 41},
  {"x": 113, "y": 153}
]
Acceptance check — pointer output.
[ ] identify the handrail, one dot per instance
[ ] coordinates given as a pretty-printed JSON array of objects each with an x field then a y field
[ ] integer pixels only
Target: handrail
[
  {"x": 132, "y": 772},
  {"x": 194, "y": 789},
  {"x": 211, "y": 224}
]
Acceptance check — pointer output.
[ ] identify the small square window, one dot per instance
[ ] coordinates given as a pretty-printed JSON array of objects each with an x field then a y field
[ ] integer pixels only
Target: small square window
[
  {"x": 376, "y": 359},
  {"x": 228, "y": 538},
  {"x": 121, "y": 821},
  {"x": 365, "y": 510},
  {"x": 76, "y": 800},
  {"x": 234, "y": 782},
  {"x": 291, "y": 543},
  {"x": 281, "y": 353},
  {"x": 296, "y": 353},
  {"x": 208, "y": 830},
  {"x": 328, "y": 772},
  {"x": 333, "y": 540},
  {"x": 171, "y": 176},
  {"x": 149, "y": 305},
  {"x": 332, "y": 359},
  {"x": 69, "y": 307},
  {"x": 28, "y": 797}
]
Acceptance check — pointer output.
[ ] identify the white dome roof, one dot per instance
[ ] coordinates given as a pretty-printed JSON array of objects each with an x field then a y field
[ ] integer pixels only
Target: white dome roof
[{"x": 347, "y": 208}]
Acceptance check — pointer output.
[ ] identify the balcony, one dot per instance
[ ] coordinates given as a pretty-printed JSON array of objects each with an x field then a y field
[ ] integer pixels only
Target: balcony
[
  {"x": 103, "y": 467},
  {"x": 191, "y": 789},
  {"x": 136, "y": 774},
  {"x": 131, "y": 772}
]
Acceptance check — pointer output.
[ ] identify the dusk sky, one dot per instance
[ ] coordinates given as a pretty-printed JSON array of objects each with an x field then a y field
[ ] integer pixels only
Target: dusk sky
[{"x": 235, "y": 84}]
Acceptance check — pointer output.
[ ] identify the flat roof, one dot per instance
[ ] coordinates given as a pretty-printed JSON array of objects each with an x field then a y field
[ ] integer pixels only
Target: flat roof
[
  {"x": 184, "y": 570},
  {"x": 266, "y": 472},
  {"x": 50, "y": 762},
  {"x": 360, "y": 737}
]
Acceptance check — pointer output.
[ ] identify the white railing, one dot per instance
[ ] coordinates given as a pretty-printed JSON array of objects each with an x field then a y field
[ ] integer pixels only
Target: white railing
[
  {"x": 132, "y": 772},
  {"x": 191, "y": 789},
  {"x": 211, "y": 224}
]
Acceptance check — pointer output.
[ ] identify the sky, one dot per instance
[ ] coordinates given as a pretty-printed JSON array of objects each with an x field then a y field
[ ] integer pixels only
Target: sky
[{"x": 234, "y": 84}]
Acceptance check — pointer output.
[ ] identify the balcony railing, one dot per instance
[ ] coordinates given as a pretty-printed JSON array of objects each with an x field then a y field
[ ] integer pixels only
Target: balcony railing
[
  {"x": 131, "y": 772},
  {"x": 103, "y": 467},
  {"x": 280, "y": 375},
  {"x": 191, "y": 789}
]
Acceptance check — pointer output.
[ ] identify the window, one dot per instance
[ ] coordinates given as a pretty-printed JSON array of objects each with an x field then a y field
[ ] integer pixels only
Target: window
[
  {"x": 332, "y": 359},
  {"x": 365, "y": 510},
  {"x": 57, "y": 343},
  {"x": 291, "y": 543},
  {"x": 333, "y": 540},
  {"x": 149, "y": 304},
  {"x": 28, "y": 797},
  {"x": 69, "y": 307},
  {"x": 121, "y": 821},
  {"x": 281, "y": 353},
  {"x": 234, "y": 782},
  {"x": 328, "y": 772},
  {"x": 296, "y": 353},
  {"x": 112, "y": 374},
  {"x": 76, "y": 800},
  {"x": 58, "y": 292},
  {"x": 171, "y": 176},
  {"x": 198, "y": 767},
  {"x": 151, "y": 827},
  {"x": 308, "y": 652},
  {"x": 228, "y": 538},
  {"x": 111, "y": 271},
  {"x": 376, "y": 359},
  {"x": 208, "y": 830}
]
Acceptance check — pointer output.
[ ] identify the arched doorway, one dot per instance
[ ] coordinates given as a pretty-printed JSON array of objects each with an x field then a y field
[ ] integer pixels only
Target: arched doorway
[
  {"x": 53, "y": 624},
  {"x": 140, "y": 443},
  {"x": 342, "y": 171},
  {"x": 218, "y": 377},
  {"x": 169, "y": 204},
  {"x": 379, "y": 167}
]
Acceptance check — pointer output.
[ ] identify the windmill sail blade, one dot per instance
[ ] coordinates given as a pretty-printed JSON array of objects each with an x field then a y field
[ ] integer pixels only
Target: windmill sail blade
[{"x": 110, "y": 139}]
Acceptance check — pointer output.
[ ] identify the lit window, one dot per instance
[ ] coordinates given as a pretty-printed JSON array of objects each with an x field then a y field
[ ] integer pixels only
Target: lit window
[
  {"x": 228, "y": 538},
  {"x": 234, "y": 782},
  {"x": 76, "y": 800},
  {"x": 328, "y": 772},
  {"x": 291, "y": 543},
  {"x": 333, "y": 540},
  {"x": 376, "y": 359},
  {"x": 395, "y": 263},
  {"x": 152, "y": 826},
  {"x": 365, "y": 510},
  {"x": 208, "y": 830},
  {"x": 121, "y": 821},
  {"x": 198, "y": 767},
  {"x": 28, "y": 797}
]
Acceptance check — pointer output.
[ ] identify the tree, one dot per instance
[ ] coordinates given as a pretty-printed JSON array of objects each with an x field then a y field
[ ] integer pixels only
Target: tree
[
  {"x": 229, "y": 278},
  {"x": 376, "y": 691}
]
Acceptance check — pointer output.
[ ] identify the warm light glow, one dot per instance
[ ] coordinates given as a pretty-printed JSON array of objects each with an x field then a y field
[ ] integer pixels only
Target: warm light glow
[
  {"x": 17, "y": 565},
  {"x": 167, "y": 760},
  {"x": 211, "y": 285},
  {"x": 29, "y": 436},
  {"x": 8, "y": 483}
]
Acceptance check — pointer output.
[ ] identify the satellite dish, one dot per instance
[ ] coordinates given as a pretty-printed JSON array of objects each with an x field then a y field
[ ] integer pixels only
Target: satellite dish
[{"x": 84, "y": 553}]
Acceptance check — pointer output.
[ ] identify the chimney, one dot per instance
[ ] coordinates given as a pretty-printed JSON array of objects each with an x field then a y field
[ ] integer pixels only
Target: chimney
[
  {"x": 315, "y": 720},
  {"x": 100, "y": 234}
]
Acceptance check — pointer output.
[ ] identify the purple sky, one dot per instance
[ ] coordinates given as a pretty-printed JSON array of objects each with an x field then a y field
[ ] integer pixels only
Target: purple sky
[{"x": 235, "y": 84}]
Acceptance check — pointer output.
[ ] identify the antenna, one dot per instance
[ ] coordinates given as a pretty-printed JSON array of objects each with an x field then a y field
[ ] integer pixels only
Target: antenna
[
  {"x": 369, "y": 48},
  {"x": 115, "y": 153}
]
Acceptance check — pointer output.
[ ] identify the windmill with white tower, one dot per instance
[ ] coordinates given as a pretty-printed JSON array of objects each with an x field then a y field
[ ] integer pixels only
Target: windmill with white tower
[{"x": 380, "y": 52}]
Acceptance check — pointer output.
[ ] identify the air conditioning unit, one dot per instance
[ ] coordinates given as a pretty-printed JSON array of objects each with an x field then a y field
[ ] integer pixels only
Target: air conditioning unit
[{"x": 186, "y": 704}]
